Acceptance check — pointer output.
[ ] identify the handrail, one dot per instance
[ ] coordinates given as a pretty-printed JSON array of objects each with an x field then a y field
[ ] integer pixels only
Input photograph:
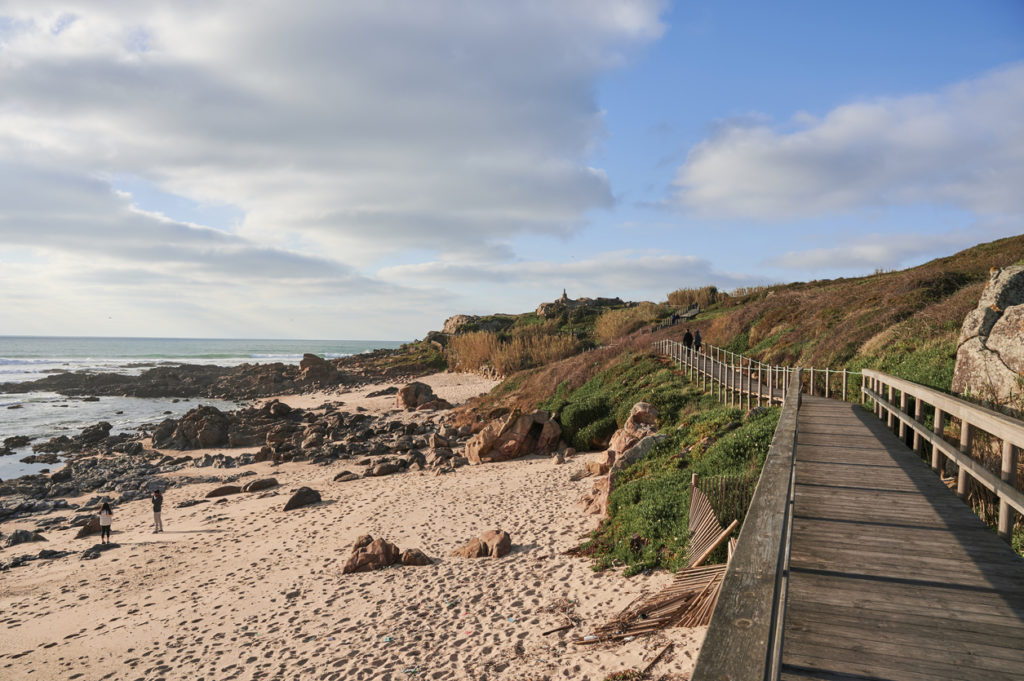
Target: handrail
[
  {"x": 744, "y": 637},
  {"x": 972, "y": 417}
]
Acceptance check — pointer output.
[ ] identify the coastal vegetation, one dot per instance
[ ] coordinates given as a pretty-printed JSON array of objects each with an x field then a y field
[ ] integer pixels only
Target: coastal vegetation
[{"x": 648, "y": 509}]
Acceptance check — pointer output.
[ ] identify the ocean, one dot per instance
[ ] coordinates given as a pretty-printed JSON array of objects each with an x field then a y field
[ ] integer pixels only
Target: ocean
[{"x": 42, "y": 415}]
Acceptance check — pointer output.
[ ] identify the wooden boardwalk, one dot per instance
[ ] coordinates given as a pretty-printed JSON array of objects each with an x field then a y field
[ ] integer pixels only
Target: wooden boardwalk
[{"x": 891, "y": 577}]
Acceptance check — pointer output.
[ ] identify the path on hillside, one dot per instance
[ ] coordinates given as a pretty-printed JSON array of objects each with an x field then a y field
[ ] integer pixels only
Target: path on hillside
[{"x": 892, "y": 577}]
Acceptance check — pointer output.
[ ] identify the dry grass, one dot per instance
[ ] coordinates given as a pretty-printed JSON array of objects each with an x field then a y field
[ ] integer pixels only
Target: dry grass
[
  {"x": 833, "y": 323},
  {"x": 613, "y": 324},
  {"x": 488, "y": 353},
  {"x": 705, "y": 296}
]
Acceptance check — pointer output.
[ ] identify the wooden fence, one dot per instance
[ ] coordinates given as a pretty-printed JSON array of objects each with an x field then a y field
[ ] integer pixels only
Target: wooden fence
[{"x": 735, "y": 378}]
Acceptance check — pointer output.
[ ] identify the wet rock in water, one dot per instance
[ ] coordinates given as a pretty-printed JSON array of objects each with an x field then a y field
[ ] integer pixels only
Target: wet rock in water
[
  {"x": 224, "y": 491},
  {"x": 16, "y": 441},
  {"x": 22, "y": 537},
  {"x": 259, "y": 485},
  {"x": 303, "y": 497}
]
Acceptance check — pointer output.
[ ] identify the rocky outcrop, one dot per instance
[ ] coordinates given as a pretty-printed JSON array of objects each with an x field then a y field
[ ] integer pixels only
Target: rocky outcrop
[
  {"x": 376, "y": 554},
  {"x": 990, "y": 351},
  {"x": 493, "y": 543},
  {"x": 567, "y": 304},
  {"x": 513, "y": 436},
  {"x": 631, "y": 443},
  {"x": 314, "y": 369},
  {"x": 303, "y": 497},
  {"x": 200, "y": 428},
  {"x": 22, "y": 537}
]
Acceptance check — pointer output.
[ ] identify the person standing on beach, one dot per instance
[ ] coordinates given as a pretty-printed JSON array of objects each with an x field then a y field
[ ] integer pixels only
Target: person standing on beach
[
  {"x": 158, "y": 504},
  {"x": 106, "y": 516}
]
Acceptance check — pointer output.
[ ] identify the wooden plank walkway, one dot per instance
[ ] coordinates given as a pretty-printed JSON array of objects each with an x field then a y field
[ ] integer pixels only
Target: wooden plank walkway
[{"x": 892, "y": 577}]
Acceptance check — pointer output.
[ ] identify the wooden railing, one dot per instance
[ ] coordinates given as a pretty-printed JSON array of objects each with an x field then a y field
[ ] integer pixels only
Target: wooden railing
[
  {"x": 908, "y": 415},
  {"x": 744, "y": 638},
  {"x": 735, "y": 378}
]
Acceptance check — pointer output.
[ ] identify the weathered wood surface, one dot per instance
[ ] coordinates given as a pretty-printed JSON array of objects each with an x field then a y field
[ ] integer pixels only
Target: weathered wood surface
[
  {"x": 742, "y": 641},
  {"x": 891, "y": 576}
]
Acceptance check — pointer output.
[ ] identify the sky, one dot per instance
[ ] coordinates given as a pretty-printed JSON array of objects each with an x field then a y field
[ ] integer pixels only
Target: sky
[{"x": 364, "y": 170}]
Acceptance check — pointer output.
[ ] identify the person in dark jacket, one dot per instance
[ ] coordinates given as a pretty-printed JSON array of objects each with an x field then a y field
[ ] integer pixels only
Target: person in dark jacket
[
  {"x": 696, "y": 341},
  {"x": 158, "y": 504},
  {"x": 687, "y": 341}
]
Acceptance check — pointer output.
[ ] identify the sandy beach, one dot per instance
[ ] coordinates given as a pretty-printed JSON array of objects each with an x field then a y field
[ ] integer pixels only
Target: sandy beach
[{"x": 237, "y": 588}]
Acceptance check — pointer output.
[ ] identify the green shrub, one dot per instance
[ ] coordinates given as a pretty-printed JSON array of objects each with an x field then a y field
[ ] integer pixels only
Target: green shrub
[{"x": 594, "y": 434}]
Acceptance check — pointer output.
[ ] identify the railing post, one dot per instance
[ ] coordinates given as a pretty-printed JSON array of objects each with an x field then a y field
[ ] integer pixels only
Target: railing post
[
  {"x": 938, "y": 426},
  {"x": 1008, "y": 473},
  {"x": 759, "y": 395},
  {"x": 844, "y": 384},
  {"x": 749, "y": 375},
  {"x": 826, "y": 381},
  {"x": 918, "y": 415},
  {"x": 890, "y": 415},
  {"x": 965, "y": 448},
  {"x": 903, "y": 408}
]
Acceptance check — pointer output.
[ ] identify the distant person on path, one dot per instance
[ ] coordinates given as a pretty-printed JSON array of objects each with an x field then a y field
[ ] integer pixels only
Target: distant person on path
[
  {"x": 687, "y": 341},
  {"x": 158, "y": 504},
  {"x": 106, "y": 516},
  {"x": 696, "y": 341}
]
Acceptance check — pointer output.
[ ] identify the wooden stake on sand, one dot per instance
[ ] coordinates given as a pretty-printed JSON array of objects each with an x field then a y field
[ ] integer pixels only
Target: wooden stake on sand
[{"x": 655, "y": 660}]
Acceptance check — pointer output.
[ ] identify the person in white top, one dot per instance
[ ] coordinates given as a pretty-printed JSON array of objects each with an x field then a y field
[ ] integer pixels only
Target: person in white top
[{"x": 106, "y": 515}]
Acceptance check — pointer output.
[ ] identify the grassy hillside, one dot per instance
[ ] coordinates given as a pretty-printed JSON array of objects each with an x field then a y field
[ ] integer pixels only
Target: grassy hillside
[{"x": 905, "y": 322}]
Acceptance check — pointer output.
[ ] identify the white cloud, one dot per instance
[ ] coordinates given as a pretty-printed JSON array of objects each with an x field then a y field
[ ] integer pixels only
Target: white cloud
[
  {"x": 343, "y": 132},
  {"x": 962, "y": 146},
  {"x": 357, "y": 127}
]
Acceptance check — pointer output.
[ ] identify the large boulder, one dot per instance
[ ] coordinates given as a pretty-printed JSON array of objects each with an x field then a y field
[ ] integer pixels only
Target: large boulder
[
  {"x": 642, "y": 422},
  {"x": 22, "y": 537},
  {"x": 493, "y": 543},
  {"x": 223, "y": 491},
  {"x": 303, "y": 497},
  {"x": 91, "y": 527},
  {"x": 201, "y": 428},
  {"x": 990, "y": 351},
  {"x": 514, "y": 435},
  {"x": 371, "y": 554},
  {"x": 315, "y": 369},
  {"x": 259, "y": 484},
  {"x": 417, "y": 395}
]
